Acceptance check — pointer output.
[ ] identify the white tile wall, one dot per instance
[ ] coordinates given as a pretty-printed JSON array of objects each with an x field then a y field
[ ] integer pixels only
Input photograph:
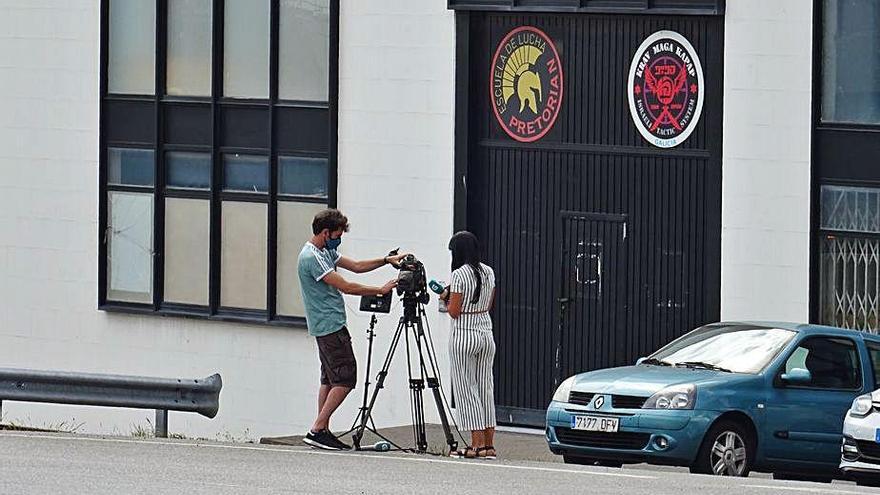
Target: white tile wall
[
  {"x": 396, "y": 129},
  {"x": 766, "y": 166},
  {"x": 396, "y": 149}
]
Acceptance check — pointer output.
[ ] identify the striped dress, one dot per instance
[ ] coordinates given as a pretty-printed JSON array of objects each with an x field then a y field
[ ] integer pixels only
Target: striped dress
[{"x": 472, "y": 350}]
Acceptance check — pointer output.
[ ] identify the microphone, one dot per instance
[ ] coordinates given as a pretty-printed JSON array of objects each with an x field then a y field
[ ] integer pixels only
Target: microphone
[
  {"x": 380, "y": 446},
  {"x": 436, "y": 286}
]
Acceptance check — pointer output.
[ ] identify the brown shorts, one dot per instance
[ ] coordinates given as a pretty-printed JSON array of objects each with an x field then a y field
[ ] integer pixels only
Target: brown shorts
[{"x": 338, "y": 366}]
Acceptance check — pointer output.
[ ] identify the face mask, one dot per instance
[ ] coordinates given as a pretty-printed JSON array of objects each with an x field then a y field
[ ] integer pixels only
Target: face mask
[{"x": 333, "y": 243}]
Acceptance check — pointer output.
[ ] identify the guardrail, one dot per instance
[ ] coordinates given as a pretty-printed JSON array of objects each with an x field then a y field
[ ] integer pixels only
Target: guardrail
[{"x": 162, "y": 394}]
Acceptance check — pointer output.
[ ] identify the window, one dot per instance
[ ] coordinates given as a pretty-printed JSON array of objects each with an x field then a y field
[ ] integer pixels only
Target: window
[
  {"x": 849, "y": 271},
  {"x": 129, "y": 228},
  {"x": 874, "y": 352},
  {"x": 246, "y": 49},
  {"x": 305, "y": 45},
  {"x": 217, "y": 150},
  {"x": 738, "y": 348},
  {"x": 189, "y": 47},
  {"x": 132, "y": 47},
  {"x": 850, "y": 74},
  {"x": 833, "y": 363}
]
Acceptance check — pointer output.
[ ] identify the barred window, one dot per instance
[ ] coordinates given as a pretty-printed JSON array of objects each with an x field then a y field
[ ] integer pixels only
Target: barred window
[{"x": 849, "y": 274}]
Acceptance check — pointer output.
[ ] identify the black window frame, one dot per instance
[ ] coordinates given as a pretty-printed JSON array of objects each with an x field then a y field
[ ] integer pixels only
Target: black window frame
[{"x": 154, "y": 121}]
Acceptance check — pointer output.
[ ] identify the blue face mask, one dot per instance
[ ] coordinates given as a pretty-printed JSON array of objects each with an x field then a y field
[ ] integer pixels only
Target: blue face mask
[{"x": 333, "y": 243}]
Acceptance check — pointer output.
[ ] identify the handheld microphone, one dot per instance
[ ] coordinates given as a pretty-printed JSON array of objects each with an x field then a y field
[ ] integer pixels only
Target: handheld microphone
[
  {"x": 436, "y": 286},
  {"x": 380, "y": 446}
]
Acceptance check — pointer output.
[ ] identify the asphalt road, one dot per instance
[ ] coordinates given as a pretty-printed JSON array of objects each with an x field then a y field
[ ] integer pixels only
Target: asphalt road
[{"x": 62, "y": 464}]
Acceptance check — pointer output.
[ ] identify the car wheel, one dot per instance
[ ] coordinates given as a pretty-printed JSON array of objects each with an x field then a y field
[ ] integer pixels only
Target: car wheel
[
  {"x": 727, "y": 450},
  {"x": 589, "y": 461}
]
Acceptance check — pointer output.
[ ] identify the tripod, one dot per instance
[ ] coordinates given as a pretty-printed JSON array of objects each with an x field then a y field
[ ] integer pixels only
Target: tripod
[
  {"x": 411, "y": 326},
  {"x": 362, "y": 417}
]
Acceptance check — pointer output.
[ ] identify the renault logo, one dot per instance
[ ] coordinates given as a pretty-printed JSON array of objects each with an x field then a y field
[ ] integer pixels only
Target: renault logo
[{"x": 600, "y": 400}]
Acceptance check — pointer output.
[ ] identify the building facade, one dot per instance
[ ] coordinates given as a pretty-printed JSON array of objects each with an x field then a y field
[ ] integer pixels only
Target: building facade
[{"x": 635, "y": 168}]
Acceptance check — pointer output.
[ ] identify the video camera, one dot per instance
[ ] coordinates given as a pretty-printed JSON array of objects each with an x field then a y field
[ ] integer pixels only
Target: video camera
[
  {"x": 411, "y": 279},
  {"x": 411, "y": 284}
]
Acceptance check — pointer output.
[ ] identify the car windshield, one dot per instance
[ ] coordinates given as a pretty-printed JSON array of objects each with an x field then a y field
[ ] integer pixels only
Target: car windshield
[{"x": 738, "y": 348}]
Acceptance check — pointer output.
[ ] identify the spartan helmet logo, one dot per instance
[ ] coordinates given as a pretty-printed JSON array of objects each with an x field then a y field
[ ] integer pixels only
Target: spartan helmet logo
[{"x": 521, "y": 79}]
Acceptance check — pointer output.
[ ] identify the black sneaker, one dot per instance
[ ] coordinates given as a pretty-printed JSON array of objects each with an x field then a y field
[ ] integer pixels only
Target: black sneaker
[
  {"x": 338, "y": 443},
  {"x": 322, "y": 440}
]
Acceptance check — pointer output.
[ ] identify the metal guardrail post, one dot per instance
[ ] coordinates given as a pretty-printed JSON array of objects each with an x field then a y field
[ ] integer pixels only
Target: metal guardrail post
[{"x": 161, "y": 423}]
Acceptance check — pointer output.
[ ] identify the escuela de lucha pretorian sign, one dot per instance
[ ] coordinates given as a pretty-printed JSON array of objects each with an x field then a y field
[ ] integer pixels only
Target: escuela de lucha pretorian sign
[{"x": 526, "y": 84}]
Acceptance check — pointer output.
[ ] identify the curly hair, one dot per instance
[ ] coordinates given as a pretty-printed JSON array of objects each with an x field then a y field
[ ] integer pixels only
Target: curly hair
[{"x": 331, "y": 219}]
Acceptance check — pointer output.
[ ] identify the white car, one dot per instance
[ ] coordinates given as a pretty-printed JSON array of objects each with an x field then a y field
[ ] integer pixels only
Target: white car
[{"x": 860, "y": 452}]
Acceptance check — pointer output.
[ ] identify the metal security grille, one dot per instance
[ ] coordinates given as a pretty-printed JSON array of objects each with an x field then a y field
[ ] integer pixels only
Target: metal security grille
[
  {"x": 850, "y": 282},
  {"x": 851, "y": 209}
]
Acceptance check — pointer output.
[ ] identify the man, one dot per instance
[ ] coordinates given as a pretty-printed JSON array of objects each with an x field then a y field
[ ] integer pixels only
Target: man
[{"x": 322, "y": 289}]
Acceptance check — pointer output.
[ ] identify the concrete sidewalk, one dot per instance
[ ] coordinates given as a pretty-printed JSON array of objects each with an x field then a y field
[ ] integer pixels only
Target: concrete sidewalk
[{"x": 511, "y": 443}]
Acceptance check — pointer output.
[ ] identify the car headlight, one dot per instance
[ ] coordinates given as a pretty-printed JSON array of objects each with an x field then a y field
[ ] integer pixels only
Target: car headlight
[
  {"x": 561, "y": 394},
  {"x": 861, "y": 406},
  {"x": 674, "y": 397}
]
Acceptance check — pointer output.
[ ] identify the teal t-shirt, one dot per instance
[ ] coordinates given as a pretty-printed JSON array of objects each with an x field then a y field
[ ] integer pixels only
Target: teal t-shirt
[{"x": 325, "y": 309}]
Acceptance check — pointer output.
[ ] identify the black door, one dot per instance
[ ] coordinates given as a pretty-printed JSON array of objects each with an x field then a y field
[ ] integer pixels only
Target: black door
[{"x": 591, "y": 293}]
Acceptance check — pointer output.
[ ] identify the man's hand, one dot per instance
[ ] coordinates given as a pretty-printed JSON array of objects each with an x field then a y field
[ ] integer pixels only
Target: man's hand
[
  {"x": 389, "y": 286},
  {"x": 395, "y": 259}
]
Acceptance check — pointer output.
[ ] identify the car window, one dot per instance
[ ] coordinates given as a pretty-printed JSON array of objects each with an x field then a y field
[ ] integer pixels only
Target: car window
[
  {"x": 874, "y": 352},
  {"x": 797, "y": 360},
  {"x": 738, "y": 348},
  {"x": 832, "y": 363}
]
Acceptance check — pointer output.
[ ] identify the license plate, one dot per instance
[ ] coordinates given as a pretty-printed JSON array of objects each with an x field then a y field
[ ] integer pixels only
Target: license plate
[{"x": 595, "y": 423}]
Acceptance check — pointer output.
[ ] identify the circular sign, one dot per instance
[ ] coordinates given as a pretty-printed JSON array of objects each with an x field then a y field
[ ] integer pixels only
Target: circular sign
[
  {"x": 525, "y": 86},
  {"x": 665, "y": 89}
]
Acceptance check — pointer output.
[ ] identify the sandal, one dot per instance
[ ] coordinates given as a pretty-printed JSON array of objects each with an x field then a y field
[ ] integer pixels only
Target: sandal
[
  {"x": 467, "y": 453},
  {"x": 487, "y": 452}
]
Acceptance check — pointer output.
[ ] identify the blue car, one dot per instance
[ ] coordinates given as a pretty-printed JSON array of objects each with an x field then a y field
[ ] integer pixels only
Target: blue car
[{"x": 724, "y": 399}]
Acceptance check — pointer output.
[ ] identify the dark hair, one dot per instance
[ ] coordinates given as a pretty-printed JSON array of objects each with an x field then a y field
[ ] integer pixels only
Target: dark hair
[
  {"x": 466, "y": 251},
  {"x": 331, "y": 219}
]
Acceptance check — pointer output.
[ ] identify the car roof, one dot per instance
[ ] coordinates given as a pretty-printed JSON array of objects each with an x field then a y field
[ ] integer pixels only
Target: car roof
[{"x": 806, "y": 328}]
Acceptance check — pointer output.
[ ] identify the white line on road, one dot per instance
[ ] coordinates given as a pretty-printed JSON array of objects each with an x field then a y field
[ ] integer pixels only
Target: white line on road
[
  {"x": 800, "y": 489},
  {"x": 475, "y": 464}
]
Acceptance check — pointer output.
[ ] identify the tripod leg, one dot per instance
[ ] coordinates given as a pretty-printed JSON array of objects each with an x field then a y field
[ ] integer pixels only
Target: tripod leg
[
  {"x": 380, "y": 383},
  {"x": 434, "y": 385},
  {"x": 370, "y": 336},
  {"x": 433, "y": 379},
  {"x": 416, "y": 387}
]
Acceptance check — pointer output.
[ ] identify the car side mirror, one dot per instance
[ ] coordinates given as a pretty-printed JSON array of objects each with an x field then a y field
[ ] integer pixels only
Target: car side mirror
[
  {"x": 640, "y": 360},
  {"x": 797, "y": 375}
]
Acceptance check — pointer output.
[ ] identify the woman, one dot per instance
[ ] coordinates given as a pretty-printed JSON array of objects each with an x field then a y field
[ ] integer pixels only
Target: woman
[{"x": 471, "y": 344}]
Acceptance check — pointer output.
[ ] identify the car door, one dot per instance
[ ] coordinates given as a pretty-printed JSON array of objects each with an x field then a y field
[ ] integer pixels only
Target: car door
[{"x": 804, "y": 421}]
